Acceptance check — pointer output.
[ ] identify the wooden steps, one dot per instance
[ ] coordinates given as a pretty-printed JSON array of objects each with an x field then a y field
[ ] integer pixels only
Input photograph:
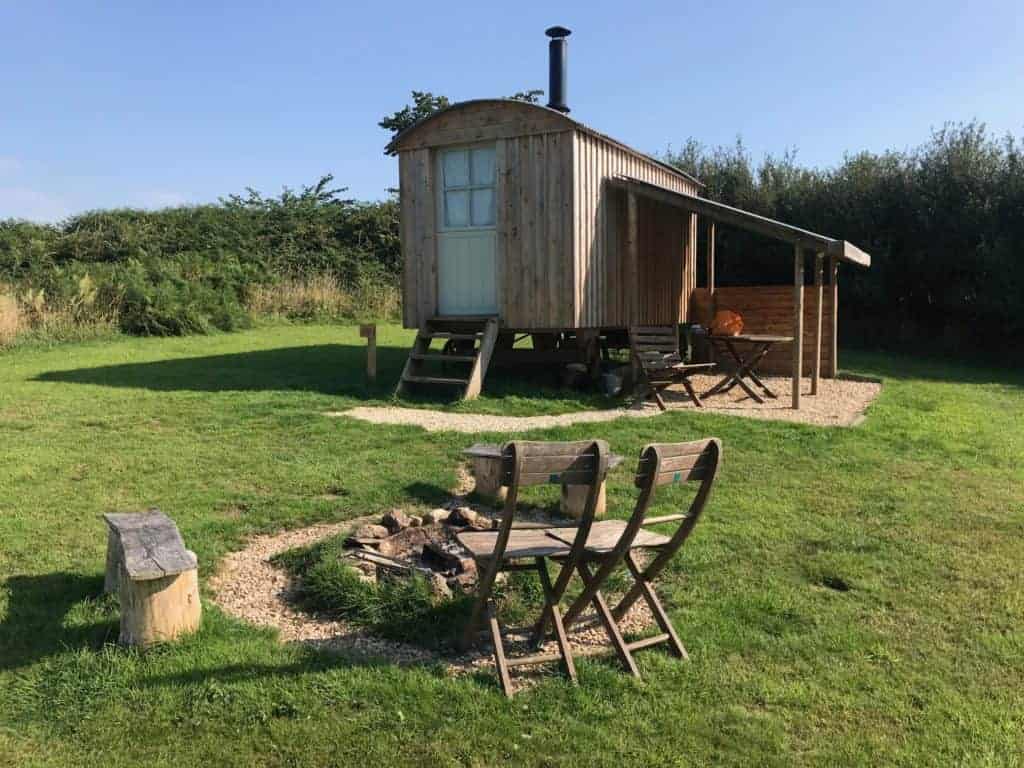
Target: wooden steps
[
  {"x": 461, "y": 360},
  {"x": 443, "y": 358},
  {"x": 435, "y": 380}
]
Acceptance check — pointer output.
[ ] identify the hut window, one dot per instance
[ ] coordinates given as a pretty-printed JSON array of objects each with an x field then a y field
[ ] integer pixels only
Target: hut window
[{"x": 469, "y": 178}]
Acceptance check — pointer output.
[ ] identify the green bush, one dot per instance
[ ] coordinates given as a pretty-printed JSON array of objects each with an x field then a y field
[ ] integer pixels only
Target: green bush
[
  {"x": 193, "y": 269},
  {"x": 943, "y": 223}
]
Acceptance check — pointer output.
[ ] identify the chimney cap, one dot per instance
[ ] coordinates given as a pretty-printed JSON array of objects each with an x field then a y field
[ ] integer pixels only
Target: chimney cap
[{"x": 557, "y": 32}]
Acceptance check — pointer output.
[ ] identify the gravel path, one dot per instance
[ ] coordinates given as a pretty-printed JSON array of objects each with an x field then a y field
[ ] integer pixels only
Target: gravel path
[
  {"x": 839, "y": 403},
  {"x": 441, "y": 421}
]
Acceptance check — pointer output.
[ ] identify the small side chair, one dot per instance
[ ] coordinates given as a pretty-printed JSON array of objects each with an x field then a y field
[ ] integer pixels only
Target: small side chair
[
  {"x": 510, "y": 548},
  {"x": 613, "y": 542}
]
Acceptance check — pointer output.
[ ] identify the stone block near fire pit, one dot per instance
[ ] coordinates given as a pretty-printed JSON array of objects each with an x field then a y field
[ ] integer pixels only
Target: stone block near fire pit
[
  {"x": 448, "y": 557},
  {"x": 396, "y": 520},
  {"x": 404, "y": 542},
  {"x": 435, "y": 516},
  {"x": 467, "y": 517},
  {"x": 367, "y": 535}
]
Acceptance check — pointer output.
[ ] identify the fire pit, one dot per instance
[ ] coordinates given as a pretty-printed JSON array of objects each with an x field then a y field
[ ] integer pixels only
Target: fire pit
[{"x": 409, "y": 544}]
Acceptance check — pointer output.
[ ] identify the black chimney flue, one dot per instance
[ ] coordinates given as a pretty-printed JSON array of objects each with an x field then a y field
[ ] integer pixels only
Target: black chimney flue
[{"x": 558, "y": 67}]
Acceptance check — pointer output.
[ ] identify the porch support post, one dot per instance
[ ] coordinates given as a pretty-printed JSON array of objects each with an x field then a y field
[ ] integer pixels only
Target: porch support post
[
  {"x": 834, "y": 285},
  {"x": 711, "y": 257},
  {"x": 819, "y": 290},
  {"x": 798, "y": 322},
  {"x": 633, "y": 256}
]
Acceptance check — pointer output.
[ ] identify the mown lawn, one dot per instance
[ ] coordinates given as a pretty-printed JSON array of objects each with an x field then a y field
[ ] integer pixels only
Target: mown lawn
[{"x": 918, "y": 513}]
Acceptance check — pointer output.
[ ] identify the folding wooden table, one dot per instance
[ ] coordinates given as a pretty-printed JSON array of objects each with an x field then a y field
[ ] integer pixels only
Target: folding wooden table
[{"x": 755, "y": 347}]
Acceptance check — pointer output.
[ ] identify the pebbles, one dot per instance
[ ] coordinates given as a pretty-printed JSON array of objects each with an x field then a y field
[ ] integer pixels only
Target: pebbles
[
  {"x": 839, "y": 403},
  {"x": 441, "y": 421}
]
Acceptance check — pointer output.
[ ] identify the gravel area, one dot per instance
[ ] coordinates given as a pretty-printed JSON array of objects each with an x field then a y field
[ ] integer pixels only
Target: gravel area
[
  {"x": 839, "y": 403},
  {"x": 441, "y": 421},
  {"x": 248, "y": 587}
]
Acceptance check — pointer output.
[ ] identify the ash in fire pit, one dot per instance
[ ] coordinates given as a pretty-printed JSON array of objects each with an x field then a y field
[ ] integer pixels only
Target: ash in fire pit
[{"x": 404, "y": 544}]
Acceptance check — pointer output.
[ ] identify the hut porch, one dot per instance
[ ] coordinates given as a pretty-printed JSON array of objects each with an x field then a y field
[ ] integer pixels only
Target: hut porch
[{"x": 657, "y": 285}]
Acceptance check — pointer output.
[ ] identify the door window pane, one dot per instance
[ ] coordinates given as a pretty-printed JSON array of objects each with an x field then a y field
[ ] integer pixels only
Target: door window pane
[
  {"x": 483, "y": 207},
  {"x": 468, "y": 186},
  {"x": 456, "y": 169},
  {"x": 456, "y": 209},
  {"x": 482, "y": 164}
]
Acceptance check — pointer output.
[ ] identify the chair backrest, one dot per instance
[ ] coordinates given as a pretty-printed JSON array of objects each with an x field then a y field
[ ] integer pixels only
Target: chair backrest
[
  {"x": 525, "y": 463},
  {"x": 576, "y": 463},
  {"x": 668, "y": 463},
  {"x": 654, "y": 347},
  {"x": 660, "y": 464}
]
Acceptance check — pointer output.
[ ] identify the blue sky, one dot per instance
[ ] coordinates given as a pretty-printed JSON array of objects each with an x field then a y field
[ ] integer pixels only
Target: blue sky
[{"x": 151, "y": 104}]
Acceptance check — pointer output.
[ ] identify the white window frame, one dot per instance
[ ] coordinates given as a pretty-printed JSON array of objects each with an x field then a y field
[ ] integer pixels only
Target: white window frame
[{"x": 468, "y": 188}]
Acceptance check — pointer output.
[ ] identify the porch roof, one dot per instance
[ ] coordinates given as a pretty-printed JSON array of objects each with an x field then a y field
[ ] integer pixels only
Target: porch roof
[{"x": 752, "y": 222}]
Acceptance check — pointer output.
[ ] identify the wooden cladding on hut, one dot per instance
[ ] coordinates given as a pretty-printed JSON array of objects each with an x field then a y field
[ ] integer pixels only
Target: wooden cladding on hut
[{"x": 559, "y": 227}]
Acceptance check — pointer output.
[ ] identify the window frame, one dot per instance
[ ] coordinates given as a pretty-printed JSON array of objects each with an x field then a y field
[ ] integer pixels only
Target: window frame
[{"x": 468, "y": 188}]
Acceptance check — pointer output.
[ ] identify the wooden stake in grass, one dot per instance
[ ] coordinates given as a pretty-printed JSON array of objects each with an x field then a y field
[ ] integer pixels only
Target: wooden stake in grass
[{"x": 369, "y": 332}]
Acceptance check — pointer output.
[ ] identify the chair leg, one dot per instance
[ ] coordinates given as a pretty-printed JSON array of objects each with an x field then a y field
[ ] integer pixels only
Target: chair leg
[
  {"x": 656, "y": 608},
  {"x": 610, "y": 626},
  {"x": 483, "y": 597},
  {"x": 693, "y": 395},
  {"x": 500, "y": 662},
  {"x": 657, "y": 397},
  {"x": 553, "y": 611}
]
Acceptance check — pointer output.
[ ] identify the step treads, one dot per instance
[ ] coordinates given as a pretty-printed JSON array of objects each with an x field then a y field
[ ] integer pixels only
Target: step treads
[
  {"x": 449, "y": 335},
  {"x": 434, "y": 380},
  {"x": 443, "y": 358}
]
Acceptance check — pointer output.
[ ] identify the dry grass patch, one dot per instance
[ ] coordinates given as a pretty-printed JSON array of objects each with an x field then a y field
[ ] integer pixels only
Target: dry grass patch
[
  {"x": 10, "y": 320},
  {"x": 323, "y": 296}
]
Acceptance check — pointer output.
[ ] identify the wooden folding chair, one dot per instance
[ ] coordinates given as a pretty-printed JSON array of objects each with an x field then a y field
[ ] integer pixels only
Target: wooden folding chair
[
  {"x": 533, "y": 463},
  {"x": 656, "y": 353},
  {"x": 612, "y": 542}
]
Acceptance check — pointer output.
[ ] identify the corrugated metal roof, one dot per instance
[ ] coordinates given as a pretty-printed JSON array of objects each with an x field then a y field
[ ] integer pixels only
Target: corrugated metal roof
[{"x": 570, "y": 123}]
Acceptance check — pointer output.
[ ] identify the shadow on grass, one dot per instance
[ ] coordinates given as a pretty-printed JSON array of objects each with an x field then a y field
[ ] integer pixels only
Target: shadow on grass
[
  {"x": 428, "y": 493},
  {"x": 328, "y": 369},
  {"x": 38, "y": 623},
  {"x": 950, "y": 370},
  {"x": 331, "y": 369}
]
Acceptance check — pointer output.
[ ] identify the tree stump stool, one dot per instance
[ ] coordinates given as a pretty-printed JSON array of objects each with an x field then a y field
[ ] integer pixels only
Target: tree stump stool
[
  {"x": 486, "y": 462},
  {"x": 157, "y": 579},
  {"x": 574, "y": 497}
]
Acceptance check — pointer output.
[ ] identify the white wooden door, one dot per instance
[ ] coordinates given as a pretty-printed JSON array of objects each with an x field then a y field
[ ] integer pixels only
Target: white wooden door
[{"x": 467, "y": 271}]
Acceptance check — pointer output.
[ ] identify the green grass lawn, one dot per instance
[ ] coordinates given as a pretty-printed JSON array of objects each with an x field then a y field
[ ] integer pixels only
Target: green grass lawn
[{"x": 919, "y": 512}]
